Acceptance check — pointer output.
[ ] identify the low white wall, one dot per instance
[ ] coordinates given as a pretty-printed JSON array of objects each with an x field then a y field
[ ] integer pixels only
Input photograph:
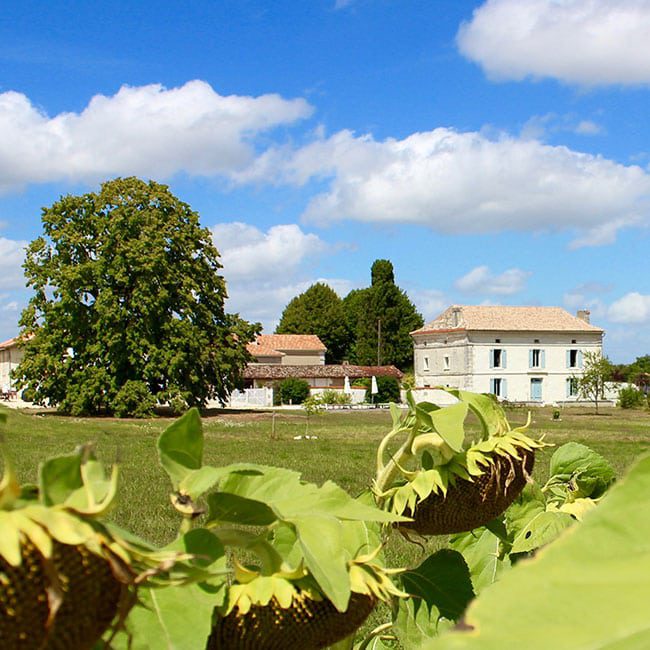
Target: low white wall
[{"x": 357, "y": 395}]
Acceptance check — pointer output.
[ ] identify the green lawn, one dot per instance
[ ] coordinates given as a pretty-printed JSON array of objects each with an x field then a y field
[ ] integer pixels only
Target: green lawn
[{"x": 344, "y": 450}]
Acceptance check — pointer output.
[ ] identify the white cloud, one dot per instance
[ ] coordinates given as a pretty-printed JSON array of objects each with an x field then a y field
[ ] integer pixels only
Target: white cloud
[
  {"x": 582, "y": 297},
  {"x": 633, "y": 307},
  {"x": 264, "y": 301},
  {"x": 587, "y": 42},
  {"x": 247, "y": 253},
  {"x": 265, "y": 270},
  {"x": 588, "y": 127},
  {"x": 429, "y": 302},
  {"x": 538, "y": 126},
  {"x": 482, "y": 280},
  {"x": 12, "y": 255},
  {"x": 147, "y": 131},
  {"x": 462, "y": 183}
]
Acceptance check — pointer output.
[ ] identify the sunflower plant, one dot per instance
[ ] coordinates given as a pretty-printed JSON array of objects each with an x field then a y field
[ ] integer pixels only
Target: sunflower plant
[{"x": 445, "y": 479}]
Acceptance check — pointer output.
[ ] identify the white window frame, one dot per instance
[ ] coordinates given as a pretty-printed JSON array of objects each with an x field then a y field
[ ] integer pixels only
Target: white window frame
[
  {"x": 537, "y": 358},
  {"x": 501, "y": 357}
]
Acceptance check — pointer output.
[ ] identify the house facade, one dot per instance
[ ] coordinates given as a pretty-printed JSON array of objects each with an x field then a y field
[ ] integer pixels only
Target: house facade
[
  {"x": 10, "y": 356},
  {"x": 519, "y": 354}
]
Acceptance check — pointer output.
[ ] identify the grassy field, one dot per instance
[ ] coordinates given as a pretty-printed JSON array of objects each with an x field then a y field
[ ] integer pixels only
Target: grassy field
[{"x": 344, "y": 450}]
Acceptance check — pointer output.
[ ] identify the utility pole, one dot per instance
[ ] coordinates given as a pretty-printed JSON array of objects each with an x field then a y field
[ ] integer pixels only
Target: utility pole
[{"x": 379, "y": 341}]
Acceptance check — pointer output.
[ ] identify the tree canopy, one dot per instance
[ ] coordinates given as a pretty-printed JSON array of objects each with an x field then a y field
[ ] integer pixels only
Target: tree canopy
[
  {"x": 128, "y": 305},
  {"x": 318, "y": 311},
  {"x": 381, "y": 318}
]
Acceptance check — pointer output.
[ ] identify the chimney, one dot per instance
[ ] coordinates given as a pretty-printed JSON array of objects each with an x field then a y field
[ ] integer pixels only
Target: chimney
[
  {"x": 584, "y": 314},
  {"x": 455, "y": 316}
]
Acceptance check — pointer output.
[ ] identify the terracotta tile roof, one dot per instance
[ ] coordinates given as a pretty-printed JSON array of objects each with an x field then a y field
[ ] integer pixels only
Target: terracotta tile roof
[
  {"x": 283, "y": 342},
  {"x": 500, "y": 318},
  {"x": 277, "y": 371},
  {"x": 9, "y": 343},
  {"x": 263, "y": 351}
]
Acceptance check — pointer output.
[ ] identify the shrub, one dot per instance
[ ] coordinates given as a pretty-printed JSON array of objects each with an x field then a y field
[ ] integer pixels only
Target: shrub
[
  {"x": 630, "y": 398},
  {"x": 28, "y": 395},
  {"x": 335, "y": 397},
  {"x": 134, "y": 399},
  {"x": 388, "y": 391},
  {"x": 293, "y": 390},
  {"x": 408, "y": 381}
]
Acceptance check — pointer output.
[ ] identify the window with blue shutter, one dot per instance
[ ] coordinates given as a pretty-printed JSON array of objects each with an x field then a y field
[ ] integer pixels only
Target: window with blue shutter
[{"x": 536, "y": 358}]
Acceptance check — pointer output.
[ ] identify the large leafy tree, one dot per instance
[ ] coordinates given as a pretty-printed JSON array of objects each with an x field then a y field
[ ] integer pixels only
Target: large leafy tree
[
  {"x": 128, "y": 305},
  {"x": 318, "y": 311},
  {"x": 381, "y": 318}
]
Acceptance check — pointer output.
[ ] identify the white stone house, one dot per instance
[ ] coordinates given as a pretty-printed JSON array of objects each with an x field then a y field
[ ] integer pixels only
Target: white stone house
[
  {"x": 520, "y": 354},
  {"x": 10, "y": 356}
]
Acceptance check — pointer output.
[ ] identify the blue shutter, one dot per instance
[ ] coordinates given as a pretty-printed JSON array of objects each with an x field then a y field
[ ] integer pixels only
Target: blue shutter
[
  {"x": 504, "y": 388},
  {"x": 579, "y": 358},
  {"x": 530, "y": 358},
  {"x": 568, "y": 358},
  {"x": 492, "y": 386},
  {"x": 542, "y": 359},
  {"x": 491, "y": 358},
  {"x": 568, "y": 388},
  {"x": 503, "y": 359}
]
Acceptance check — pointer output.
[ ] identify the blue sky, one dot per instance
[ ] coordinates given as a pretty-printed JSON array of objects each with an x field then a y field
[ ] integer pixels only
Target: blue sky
[{"x": 497, "y": 152}]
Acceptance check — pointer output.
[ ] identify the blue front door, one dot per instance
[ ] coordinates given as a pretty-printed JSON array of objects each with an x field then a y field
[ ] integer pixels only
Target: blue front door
[{"x": 536, "y": 390}]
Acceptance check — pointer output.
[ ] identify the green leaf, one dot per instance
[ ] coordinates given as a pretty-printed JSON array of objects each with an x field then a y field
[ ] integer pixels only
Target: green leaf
[
  {"x": 59, "y": 477},
  {"x": 199, "y": 481},
  {"x": 320, "y": 540},
  {"x": 441, "y": 581},
  {"x": 449, "y": 423},
  {"x": 289, "y": 497},
  {"x": 530, "y": 503},
  {"x": 591, "y": 473},
  {"x": 483, "y": 553},
  {"x": 240, "y": 510},
  {"x": 172, "y": 618},
  {"x": 414, "y": 623},
  {"x": 180, "y": 446},
  {"x": 486, "y": 409},
  {"x": 588, "y": 589},
  {"x": 207, "y": 548},
  {"x": 543, "y": 528}
]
